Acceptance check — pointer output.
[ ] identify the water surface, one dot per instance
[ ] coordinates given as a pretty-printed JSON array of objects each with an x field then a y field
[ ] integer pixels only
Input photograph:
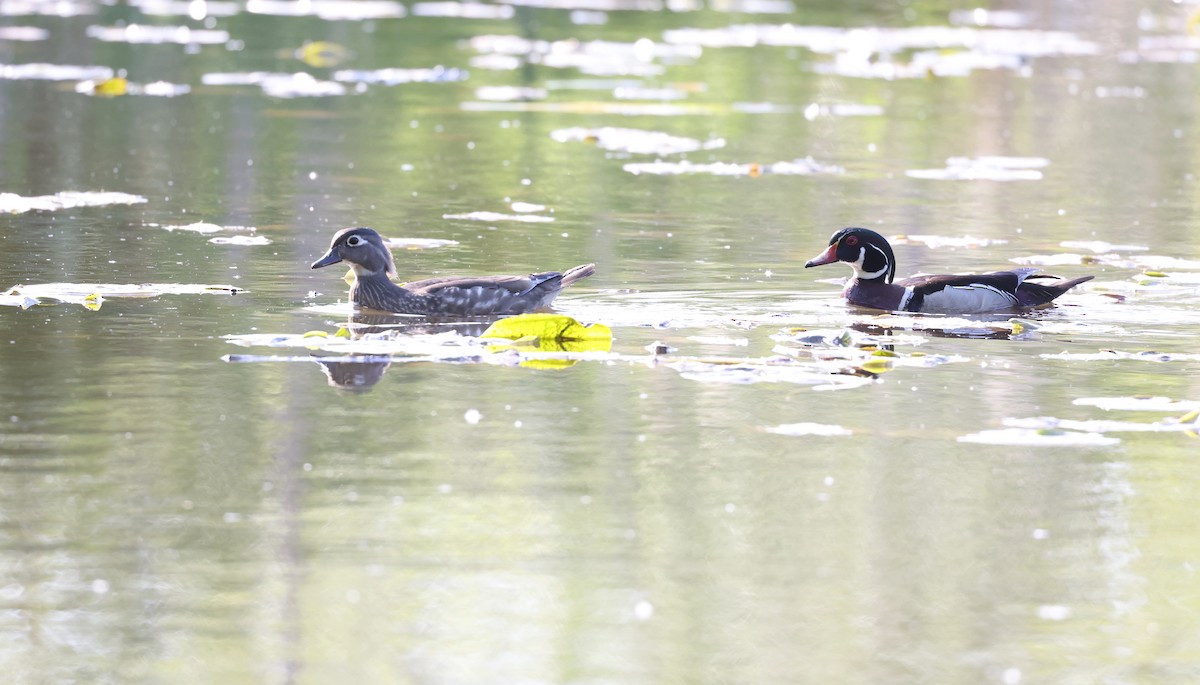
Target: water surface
[{"x": 765, "y": 502}]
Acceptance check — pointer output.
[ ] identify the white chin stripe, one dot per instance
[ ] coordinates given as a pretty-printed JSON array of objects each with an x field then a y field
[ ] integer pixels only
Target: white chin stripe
[{"x": 857, "y": 265}]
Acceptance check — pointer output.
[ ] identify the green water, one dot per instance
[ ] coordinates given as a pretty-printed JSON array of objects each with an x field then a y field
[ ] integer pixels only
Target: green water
[{"x": 169, "y": 516}]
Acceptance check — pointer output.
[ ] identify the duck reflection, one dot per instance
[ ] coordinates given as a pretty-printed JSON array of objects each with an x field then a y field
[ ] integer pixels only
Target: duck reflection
[
  {"x": 360, "y": 374},
  {"x": 354, "y": 376}
]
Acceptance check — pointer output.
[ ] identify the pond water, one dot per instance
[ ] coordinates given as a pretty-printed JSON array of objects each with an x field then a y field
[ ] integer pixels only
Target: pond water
[{"x": 790, "y": 490}]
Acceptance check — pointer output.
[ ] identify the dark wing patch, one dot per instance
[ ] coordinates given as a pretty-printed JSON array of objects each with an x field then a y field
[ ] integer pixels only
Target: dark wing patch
[{"x": 1001, "y": 280}]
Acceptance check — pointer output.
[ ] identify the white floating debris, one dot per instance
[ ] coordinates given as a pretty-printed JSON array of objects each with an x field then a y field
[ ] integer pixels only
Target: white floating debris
[
  {"x": 1026, "y": 437},
  {"x": 1113, "y": 355},
  {"x": 280, "y": 85},
  {"x": 91, "y": 295},
  {"x": 194, "y": 9},
  {"x": 887, "y": 41},
  {"x": 395, "y": 76},
  {"x": 635, "y": 140},
  {"x": 496, "y": 216},
  {"x": 418, "y": 243},
  {"x": 473, "y": 416},
  {"x": 719, "y": 340},
  {"x": 1100, "y": 425},
  {"x": 799, "y": 167},
  {"x": 23, "y": 33},
  {"x": 802, "y": 429},
  {"x": 332, "y": 10},
  {"x": 53, "y": 72},
  {"x": 939, "y": 241},
  {"x": 240, "y": 240},
  {"x": 144, "y": 33},
  {"x": 815, "y": 110},
  {"x": 465, "y": 10},
  {"x": 1101, "y": 247},
  {"x": 509, "y": 93},
  {"x": 988, "y": 168},
  {"x": 1157, "y": 403},
  {"x": 526, "y": 207},
  {"x": 17, "y": 204},
  {"x": 205, "y": 227}
]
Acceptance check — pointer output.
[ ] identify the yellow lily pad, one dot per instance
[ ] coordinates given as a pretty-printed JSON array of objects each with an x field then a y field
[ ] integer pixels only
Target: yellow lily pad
[{"x": 548, "y": 333}]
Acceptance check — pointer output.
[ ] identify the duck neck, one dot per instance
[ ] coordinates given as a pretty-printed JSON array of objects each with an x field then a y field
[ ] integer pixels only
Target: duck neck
[{"x": 377, "y": 291}]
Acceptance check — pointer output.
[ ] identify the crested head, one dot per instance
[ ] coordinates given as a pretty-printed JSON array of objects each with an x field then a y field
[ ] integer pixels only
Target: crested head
[
  {"x": 363, "y": 249},
  {"x": 867, "y": 252}
]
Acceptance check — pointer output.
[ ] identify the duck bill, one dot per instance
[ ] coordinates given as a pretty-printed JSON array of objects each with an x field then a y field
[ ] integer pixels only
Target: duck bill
[
  {"x": 331, "y": 257},
  {"x": 829, "y": 256}
]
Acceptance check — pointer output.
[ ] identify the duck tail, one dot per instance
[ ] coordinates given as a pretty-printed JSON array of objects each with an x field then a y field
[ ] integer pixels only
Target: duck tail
[
  {"x": 577, "y": 274},
  {"x": 1032, "y": 293}
]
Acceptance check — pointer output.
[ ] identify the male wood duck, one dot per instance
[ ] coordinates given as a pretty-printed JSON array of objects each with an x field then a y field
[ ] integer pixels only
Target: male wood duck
[
  {"x": 372, "y": 263},
  {"x": 874, "y": 264}
]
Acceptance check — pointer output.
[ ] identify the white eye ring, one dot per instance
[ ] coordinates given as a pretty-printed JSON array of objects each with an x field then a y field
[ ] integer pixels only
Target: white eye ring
[{"x": 354, "y": 241}]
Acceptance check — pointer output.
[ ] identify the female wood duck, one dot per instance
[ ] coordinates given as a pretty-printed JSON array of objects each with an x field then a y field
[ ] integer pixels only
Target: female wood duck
[
  {"x": 874, "y": 264},
  {"x": 372, "y": 263}
]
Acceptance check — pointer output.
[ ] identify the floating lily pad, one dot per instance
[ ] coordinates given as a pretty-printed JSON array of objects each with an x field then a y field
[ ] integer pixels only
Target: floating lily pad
[
  {"x": 552, "y": 332},
  {"x": 1029, "y": 437}
]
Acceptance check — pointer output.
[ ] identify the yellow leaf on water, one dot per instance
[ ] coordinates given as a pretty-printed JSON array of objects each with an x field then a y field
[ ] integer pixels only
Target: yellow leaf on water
[
  {"x": 548, "y": 327},
  {"x": 111, "y": 87},
  {"x": 322, "y": 54},
  {"x": 349, "y": 277},
  {"x": 316, "y": 334},
  {"x": 876, "y": 366},
  {"x": 549, "y": 333},
  {"x": 342, "y": 332}
]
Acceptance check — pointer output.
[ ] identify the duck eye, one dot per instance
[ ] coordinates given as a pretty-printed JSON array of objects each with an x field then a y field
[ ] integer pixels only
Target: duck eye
[
  {"x": 354, "y": 241},
  {"x": 852, "y": 240}
]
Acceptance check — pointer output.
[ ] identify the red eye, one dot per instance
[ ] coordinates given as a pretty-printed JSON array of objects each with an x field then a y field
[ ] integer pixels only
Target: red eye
[{"x": 852, "y": 240}]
